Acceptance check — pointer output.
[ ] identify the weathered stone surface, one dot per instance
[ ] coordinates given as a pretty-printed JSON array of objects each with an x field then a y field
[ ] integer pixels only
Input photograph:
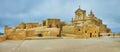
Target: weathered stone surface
[
  {"x": 16, "y": 34},
  {"x": 83, "y": 26},
  {"x": 2, "y": 38},
  {"x": 50, "y": 23}
]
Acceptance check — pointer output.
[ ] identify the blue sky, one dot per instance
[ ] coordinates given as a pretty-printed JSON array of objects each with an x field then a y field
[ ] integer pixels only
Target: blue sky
[{"x": 12, "y": 12}]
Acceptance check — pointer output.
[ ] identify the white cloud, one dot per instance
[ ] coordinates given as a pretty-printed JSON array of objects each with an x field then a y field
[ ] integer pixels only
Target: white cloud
[{"x": 13, "y": 12}]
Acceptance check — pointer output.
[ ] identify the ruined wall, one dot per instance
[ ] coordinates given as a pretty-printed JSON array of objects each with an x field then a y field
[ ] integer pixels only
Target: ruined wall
[
  {"x": 23, "y": 25},
  {"x": 53, "y": 23}
]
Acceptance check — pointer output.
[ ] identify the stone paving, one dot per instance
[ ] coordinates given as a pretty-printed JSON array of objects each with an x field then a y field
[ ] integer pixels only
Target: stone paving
[{"x": 61, "y": 45}]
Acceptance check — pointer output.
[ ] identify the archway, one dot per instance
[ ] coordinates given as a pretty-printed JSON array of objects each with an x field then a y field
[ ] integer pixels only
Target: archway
[
  {"x": 108, "y": 34},
  {"x": 40, "y": 35},
  {"x": 90, "y": 35},
  {"x": 50, "y": 26}
]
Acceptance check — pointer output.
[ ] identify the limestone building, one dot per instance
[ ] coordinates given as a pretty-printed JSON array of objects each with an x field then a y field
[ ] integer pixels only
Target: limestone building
[{"x": 82, "y": 26}]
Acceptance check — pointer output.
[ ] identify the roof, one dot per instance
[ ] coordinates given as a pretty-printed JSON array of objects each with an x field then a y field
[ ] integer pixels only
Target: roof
[{"x": 79, "y": 9}]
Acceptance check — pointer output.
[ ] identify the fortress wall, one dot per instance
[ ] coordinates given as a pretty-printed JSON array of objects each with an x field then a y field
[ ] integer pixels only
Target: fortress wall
[
  {"x": 68, "y": 29},
  {"x": 30, "y": 33},
  {"x": 53, "y": 23},
  {"x": 2, "y": 38},
  {"x": 18, "y": 34}
]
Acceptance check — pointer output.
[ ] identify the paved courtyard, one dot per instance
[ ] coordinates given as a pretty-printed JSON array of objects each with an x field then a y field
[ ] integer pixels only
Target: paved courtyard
[{"x": 61, "y": 45}]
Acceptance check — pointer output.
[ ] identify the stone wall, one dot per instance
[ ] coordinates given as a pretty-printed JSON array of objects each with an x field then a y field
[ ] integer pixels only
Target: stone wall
[
  {"x": 23, "y": 25},
  {"x": 16, "y": 34},
  {"x": 30, "y": 33},
  {"x": 2, "y": 38},
  {"x": 84, "y": 31},
  {"x": 91, "y": 31},
  {"x": 53, "y": 23},
  {"x": 68, "y": 29},
  {"x": 106, "y": 34}
]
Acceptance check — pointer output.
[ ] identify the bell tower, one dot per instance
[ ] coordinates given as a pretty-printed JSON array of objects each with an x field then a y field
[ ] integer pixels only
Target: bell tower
[
  {"x": 91, "y": 15},
  {"x": 80, "y": 14}
]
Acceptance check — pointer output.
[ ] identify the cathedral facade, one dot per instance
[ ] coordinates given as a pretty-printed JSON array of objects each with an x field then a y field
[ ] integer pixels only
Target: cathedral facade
[{"x": 81, "y": 26}]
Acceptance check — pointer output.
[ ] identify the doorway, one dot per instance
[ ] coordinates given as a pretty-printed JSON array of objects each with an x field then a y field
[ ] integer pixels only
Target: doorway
[
  {"x": 90, "y": 35},
  {"x": 108, "y": 34},
  {"x": 40, "y": 35},
  {"x": 98, "y": 34},
  {"x": 57, "y": 26},
  {"x": 50, "y": 26}
]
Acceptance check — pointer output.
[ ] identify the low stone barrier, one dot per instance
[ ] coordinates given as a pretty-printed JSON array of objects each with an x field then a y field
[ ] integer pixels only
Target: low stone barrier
[{"x": 42, "y": 38}]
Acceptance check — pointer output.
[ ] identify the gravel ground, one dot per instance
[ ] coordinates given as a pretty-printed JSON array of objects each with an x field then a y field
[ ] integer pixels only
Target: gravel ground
[{"x": 61, "y": 45}]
